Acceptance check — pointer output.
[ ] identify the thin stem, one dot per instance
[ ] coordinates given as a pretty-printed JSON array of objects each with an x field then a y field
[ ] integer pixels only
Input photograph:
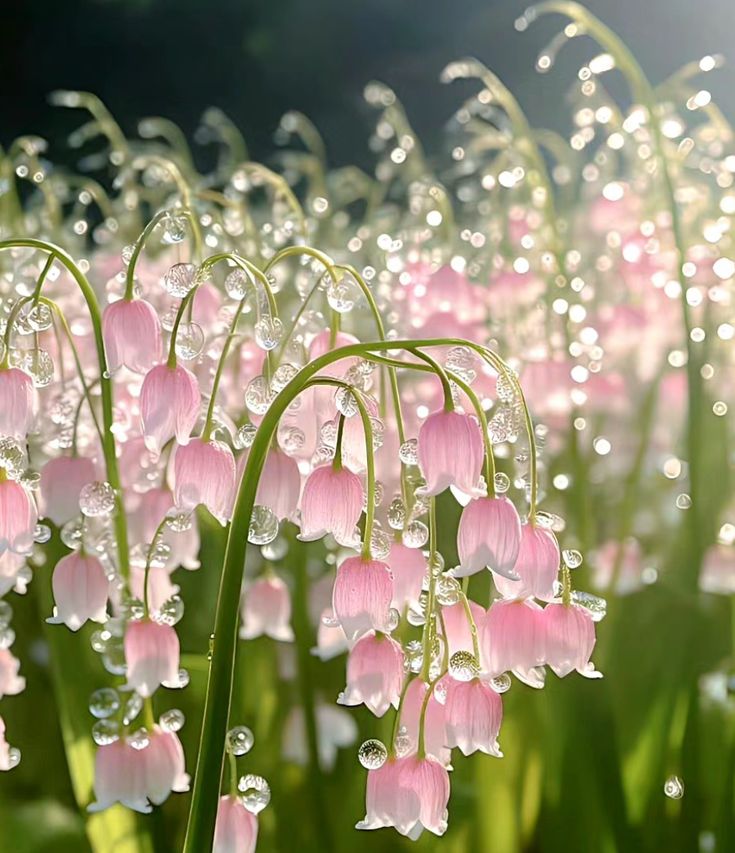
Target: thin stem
[{"x": 137, "y": 249}]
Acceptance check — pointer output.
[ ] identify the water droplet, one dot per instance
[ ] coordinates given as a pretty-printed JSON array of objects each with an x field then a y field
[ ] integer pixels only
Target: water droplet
[
  {"x": 501, "y": 683},
  {"x": 139, "y": 739},
  {"x": 396, "y": 514},
  {"x": 172, "y": 720},
  {"x": 238, "y": 284},
  {"x": 674, "y": 788},
  {"x": 258, "y": 395},
  {"x": 105, "y": 732},
  {"x": 179, "y": 280},
  {"x": 342, "y": 295},
  {"x": 275, "y": 550},
  {"x": 13, "y": 757},
  {"x": 572, "y": 559},
  {"x": 282, "y": 377},
  {"x": 239, "y": 740},
  {"x": 132, "y": 708},
  {"x": 189, "y": 341},
  {"x": 171, "y": 611},
  {"x": 346, "y": 402},
  {"x": 416, "y": 535},
  {"x": 595, "y": 606},
  {"x": 39, "y": 317},
  {"x": 179, "y": 522},
  {"x": 6, "y": 613},
  {"x": 263, "y": 526},
  {"x": 463, "y": 666},
  {"x": 104, "y": 703},
  {"x": 683, "y": 501},
  {"x": 408, "y": 452},
  {"x": 380, "y": 543},
  {"x": 372, "y": 754},
  {"x": 174, "y": 229},
  {"x": 245, "y": 436},
  {"x": 41, "y": 533},
  {"x": 505, "y": 388},
  {"x": 255, "y": 792},
  {"x": 7, "y": 637},
  {"x": 502, "y": 483},
  {"x": 97, "y": 499},
  {"x": 448, "y": 591},
  {"x": 268, "y": 332}
]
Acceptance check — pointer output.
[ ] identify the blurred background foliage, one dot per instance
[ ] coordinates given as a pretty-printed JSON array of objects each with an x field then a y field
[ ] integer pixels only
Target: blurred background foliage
[{"x": 585, "y": 761}]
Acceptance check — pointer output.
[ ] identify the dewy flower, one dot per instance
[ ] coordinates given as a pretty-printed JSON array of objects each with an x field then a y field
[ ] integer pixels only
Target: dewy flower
[
  {"x": 537, "y": 566},
  {"x": 435, "y": 734},
  {"x": 331, "y": 503},
  {"x": 488, "y": 536},
  {"x": 450, "y": 453},
  {"x": 10, "y": 682},
  {"x": 266, "y": 610},
  {"x": 165, "y": 769},
  {"x": 236, "y": 830},
  {"x": 62, "y": 479},
  {"x": 409, "y": 567},
  {"x": 6, "y": 761},
  {"x": 132, "y": 334},
  {"x": 280, "y": 484},
  {"x": 374, "y": 674},
  {"x": 80, "y": 591},
  {"x": 410, "y": 794},
  {"x": 473, "y": 712},
  {"x": 17, "y": 517},
  {"x": 120, "y": 777},
  {"x": 151, "y": 656},
  {"x": 457, "y": 626},
  {"x": 204, "y": 473},
  {"x": 512, "y": 640},
  {"x": 569, "y": 639},
  {"x": 169, "y": 405},
  {"x": 362, "y": 595},
  {"x": 17, "y": 402}
]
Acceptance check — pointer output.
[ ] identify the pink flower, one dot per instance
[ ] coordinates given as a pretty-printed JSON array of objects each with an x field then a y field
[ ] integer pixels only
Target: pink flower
[
  {"x": 537, "y": 566},
  {"x": 62, "y": 479},
  {"x": 236, "y": 830},
  {"x": 6, "y": 761},
  {"x": 165, "y": 769},
  {"x": 10, "y": 682},
  {"x": 17, "y": 403},
  {"x": 362, "y": 594},
  {"x": 280, "y": 484},
  {"x": 489, "y": 535},
  {"x": 331, "y": 503},
  {"x": 151, "y": 655},
  {"x": 457, "y": 625},
  {"x": 410, "y": 794},
  {"x": 450, "y": 452},
  {"x": 266, "y": 610},
  {"x": 512, "y": 639},
  {"x": 11, "y": 576},
  {"x": 336, "y": 728},
  {"x": 374, "y": 674},
  {"x": 330, "y": 638},
  {"x": 204, "y": 473},
  {"x": 435, "y": 733},
  {"x": 80, "y": 591},
  {"x": 132, "y": 333},
  {"x": 17, "y": 517},
  {"x": 570, "y": 638},
  {"x": 169, "y": 405},
  {"x": 473, "y": 712},
  {"x": 409, "y": 567},
  {"x": 120, "y": 777}
]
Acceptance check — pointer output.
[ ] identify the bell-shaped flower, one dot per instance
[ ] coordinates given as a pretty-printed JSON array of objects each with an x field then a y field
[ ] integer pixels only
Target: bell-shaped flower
[
  {"x": 331, "y": 639},
  {"x": 266, "y": 610},
  {"x": 374, "y": 674},
  {"x": 204, "y": 473},
  {"x": 570, "y": 638},
  {"x": 169, "y": 405},
  {"x": 457, "y": 627},
  {"x": 151, "y": 656},
  {"x": 62, "y": 479},
  {"x": 279, "y": 486},
  {"x": 132, "y": 334},
  {"x": 120, "y": 777},
  {"x": 12, "y": 575},
  {"x": 6, "y": 759},
  {"x": 331, "y": 503},
  {"x": 236, "y": 829},
  {"x": 537, "y": 566},
  {"x": 165, "y": 767},
  {"x": 473, "y": 712},
  {"x": 17, "y": 403},
  {"x": 80, "y": 591},
  {"x": 435, "y": 733},
  {"x": 10, "y": 682},
  {"x": 488, "y": 536},
  {"x": 18, "y": 517},
  {"x": 512, "y": 640},
  {"x": 410, "y": 794},
  {"x": 362, "y": 595},
  {"x": 450, "y": 453},
  {"x": 409, "y": 567}
]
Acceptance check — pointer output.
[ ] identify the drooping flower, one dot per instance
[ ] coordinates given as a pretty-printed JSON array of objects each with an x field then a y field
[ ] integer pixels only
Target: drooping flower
[
  {"x": 165, "y": 767},
  {"x": 10, "y": 682},
  {"x": 62, "y": 479},
  {"x": 132, "y": 334},
  {"x": 279, "y": 485},
  {"x": 488, "y": 536},
  {"x": 435, "y": 734},
  {"x": 331, "y": 639},
  {"x": 374, "y": 674},
  {"x": 410, "y": 794},
  {"x": 80, "y": 591},
  {"x": 537, "y": 566},
  {"x": 409, "y": 567},
  {"x": 266, "y": 610},
  {"x": 17, "y": 402},
  {"x": 450, "y": 453},
  {"x": 457, "y": 626},
  {"x": 169, "y": 405},
  {"x": 512, "y": 640},
  {"x": 569, "y": 639},
  {"x": 17, "y": 517},
  {"x": 120, "y": 777},
  {"x": 362, "y": 595},
  {"x": 473, "y": 712},
  {"x": 331, "y": 503},
  {"x": 336, "y": 729},
  {"x": 236, "y": 830},
  {"x": 204, "y": 473},
  {"x": 151, "y": 656}
]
